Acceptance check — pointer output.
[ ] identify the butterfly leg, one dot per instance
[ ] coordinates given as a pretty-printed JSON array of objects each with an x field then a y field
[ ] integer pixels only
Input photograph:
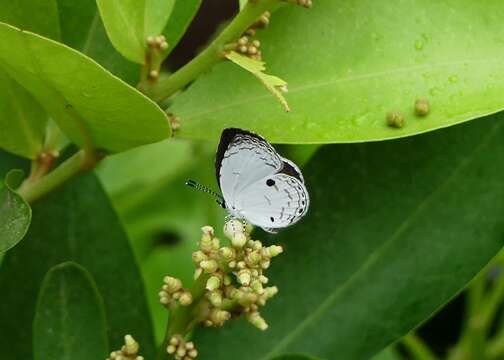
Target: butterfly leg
[{"x": 244, "y": 224}]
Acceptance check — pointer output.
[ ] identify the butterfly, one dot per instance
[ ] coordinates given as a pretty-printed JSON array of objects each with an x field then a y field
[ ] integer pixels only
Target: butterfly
[{"x": 257, "y": 184}]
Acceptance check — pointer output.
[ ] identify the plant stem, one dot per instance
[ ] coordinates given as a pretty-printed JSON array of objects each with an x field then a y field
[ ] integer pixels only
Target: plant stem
[
  {"x": 32, "y": 190},
  {"x": 181, "y": 320},
  {"x": 417, "y": 347},
  {"x": 165, "y": 88}
]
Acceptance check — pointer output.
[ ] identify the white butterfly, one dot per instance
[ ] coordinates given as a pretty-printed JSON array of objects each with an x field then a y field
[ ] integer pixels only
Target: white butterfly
[{"x": 257, "y": 184}]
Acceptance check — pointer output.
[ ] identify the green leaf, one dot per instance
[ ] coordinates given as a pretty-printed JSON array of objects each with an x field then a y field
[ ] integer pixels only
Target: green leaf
[
  {"x": 90, "y": 105},
  {"x": 14, "y": 178},
  {"x": 83, "y": 30},
  {"x": 15, "y": 213},
  {"x": 349, "y": 63},
  {"x": 395, "y": 230},
  {"x": 70, "y": 316},
  {"x": 387, "y": 354},
  {"x": 130, "y": 22},
  {"x": 294, "y": 357},
  {"x": 182, "y": 14},
  {"x": 74, "y": 223},
  {"x": 22, "y": 119},
  {"x": 38, "y": 16},
  {"x": 273, "y": 83},
  {"x": 140, "y": 169}
]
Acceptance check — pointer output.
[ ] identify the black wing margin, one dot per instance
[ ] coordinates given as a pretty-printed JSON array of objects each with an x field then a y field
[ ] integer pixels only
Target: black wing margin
[{"x": 227, "y": 137}]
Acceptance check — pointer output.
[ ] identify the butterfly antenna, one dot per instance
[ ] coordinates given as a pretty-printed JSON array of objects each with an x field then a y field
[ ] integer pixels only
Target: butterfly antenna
[{"x": 198, "y": 186}]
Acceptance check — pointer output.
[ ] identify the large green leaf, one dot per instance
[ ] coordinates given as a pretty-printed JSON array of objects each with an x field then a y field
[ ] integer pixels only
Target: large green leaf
[
  {"x": 348, "y": 63},
  {"x": 70, "y": 319},
  {"x": 82, "y": 29},
  {"x": 387, "y": 354},
  {"x": 39, "y": 16},
  {"x": 294, "y": 357},
  {"x": 15, "y": 215},
  {"x": 140, "y": 169},
  {"x": 154, "y": 203},
  {"x": 22, "y": 119},
  {"x": 130, "y": 22},
  {"x": 74, "y": 223},
  {"x": 89, "y": 104},
  {"x": 395, "y": 230},
  {"x": 180, "y": 18}
]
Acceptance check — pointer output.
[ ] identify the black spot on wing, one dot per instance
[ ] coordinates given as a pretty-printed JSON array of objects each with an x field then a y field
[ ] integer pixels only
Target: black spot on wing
[{"x": 288, "y": 169}]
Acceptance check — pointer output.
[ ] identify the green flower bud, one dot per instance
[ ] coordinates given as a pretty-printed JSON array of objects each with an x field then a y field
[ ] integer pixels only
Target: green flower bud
[
  {"x": 271, "y": 291},
  {"x": 227, "y": 280},
  {"x": 209, "y": 266},
  {"x": 227, "y": 253},
  {"x": 131, "y": 346},
  {"x": 215, "y": 244},
  {"x": 244, "y": 277},
  {"x": 232, "y": 227},
  {"x": 213, "y": 283},
  {"x": 199, "y": 256},
  {"x": 239, "y": 240},
  {"x": 273, "y": 250},
  {"x": 254, "y": 258},
  {"x": 186, "y": 298},
  {"x": 255, "y": 319},
  {"x": 215, "y": 298},
  {"x": 256, "y": 285},
  {"x": 172, "y": 284}
]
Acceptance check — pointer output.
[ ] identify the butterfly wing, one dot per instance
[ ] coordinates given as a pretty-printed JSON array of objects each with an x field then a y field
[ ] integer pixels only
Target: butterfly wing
[
  {"x": 242, "y": 159},
  {"x": 274, "y": 202}
]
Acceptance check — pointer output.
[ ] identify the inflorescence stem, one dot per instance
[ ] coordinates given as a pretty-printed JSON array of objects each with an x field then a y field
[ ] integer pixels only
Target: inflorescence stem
[
  {"x": 213, "y": 54},
  {"x": 33, "y": 190}
]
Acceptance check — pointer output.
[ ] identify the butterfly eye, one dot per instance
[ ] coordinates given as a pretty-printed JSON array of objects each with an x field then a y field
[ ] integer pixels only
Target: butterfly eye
[{"x": 270, "y": 182}]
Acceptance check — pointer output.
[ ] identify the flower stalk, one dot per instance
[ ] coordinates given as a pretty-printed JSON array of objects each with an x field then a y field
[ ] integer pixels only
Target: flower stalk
[
  {"x": 213, "y": 54},
  {"x": 37, "y": 186}
]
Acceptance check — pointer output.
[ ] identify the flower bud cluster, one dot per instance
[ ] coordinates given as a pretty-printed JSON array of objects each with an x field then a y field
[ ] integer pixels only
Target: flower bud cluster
[
  {"x": 235, "y": 283},
  {"x": 245, "y": 44},
  {"x": 172, "y": 292},
  {"x": 129, "y": 350},
  {"x": 155, "y": 46},
  {"x": 304, "y": 3},
  {"x": 157, "y": 42},
  {"x": 181, "y": 349}
]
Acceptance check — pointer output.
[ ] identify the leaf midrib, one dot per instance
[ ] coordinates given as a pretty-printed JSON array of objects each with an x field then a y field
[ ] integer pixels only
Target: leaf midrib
[
  {"x": 375, "y": 255},
  {"x": 318, "y": 85},
  {"x": 131, "y": 28}
]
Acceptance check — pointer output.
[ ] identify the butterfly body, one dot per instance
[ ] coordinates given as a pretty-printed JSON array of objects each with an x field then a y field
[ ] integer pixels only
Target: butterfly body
[{"x": 257, "y": 184}]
